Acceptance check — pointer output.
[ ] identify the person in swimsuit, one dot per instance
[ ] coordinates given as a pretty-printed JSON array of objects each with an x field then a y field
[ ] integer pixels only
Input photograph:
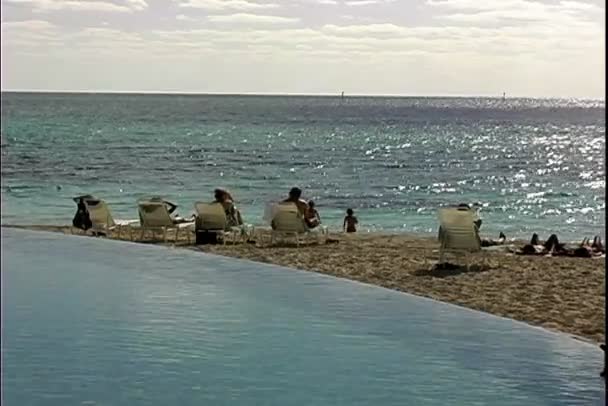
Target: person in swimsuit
[
  {"x": 350, "y": 222},
  {"x": 476, "y": 220},
  {"x": 312, "y": 216},
  {"x": 171, "y": 207},
  {"x": 233, "y": 216},
  {"x": 295, "y": 197}
]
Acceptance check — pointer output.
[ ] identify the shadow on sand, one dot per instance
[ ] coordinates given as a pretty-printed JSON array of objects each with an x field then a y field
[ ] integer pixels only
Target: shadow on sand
[{"x": 447, "y": 269}]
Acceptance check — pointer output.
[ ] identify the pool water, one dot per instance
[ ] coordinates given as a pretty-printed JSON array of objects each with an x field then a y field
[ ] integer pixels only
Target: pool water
[{"x": 98, "y": 322}]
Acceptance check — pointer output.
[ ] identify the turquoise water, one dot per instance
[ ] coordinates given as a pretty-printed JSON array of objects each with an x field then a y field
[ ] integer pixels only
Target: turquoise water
[
  {"x": 92, "y": 321},
  {"x": 534, "y": 165}
]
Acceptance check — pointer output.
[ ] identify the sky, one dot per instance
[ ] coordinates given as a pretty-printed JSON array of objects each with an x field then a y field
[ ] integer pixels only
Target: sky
[{"x": 526, "y": 48}]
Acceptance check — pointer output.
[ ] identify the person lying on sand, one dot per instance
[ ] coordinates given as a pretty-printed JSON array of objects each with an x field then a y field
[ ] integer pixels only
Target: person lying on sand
[
  {"x": 490, "y": 243},
  {"x": 597, "y": 245},
  {"x": 587, "y": 250},
  {"x": 553, "y": 247}
]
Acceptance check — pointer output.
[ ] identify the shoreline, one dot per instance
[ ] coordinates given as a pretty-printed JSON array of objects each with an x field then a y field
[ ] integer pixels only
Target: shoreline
[{"x": 556, "y": 293}]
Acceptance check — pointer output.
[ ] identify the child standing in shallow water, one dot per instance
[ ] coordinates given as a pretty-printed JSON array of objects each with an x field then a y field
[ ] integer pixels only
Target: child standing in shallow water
[{"x": 350, "y": 222}]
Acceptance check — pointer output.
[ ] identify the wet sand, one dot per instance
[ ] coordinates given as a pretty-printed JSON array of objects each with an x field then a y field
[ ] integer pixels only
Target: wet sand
[{"x": 557, "y": 293}]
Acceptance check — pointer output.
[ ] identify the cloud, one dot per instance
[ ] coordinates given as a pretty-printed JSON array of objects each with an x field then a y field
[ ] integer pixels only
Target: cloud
[
  {"x": 243, "y": 18},
  {"x": 364, "y": 29},
  {"x": 182, "y": 17},
  {"x": 449, "y": 51},
  {"x": 36, "y": 34},
  {"x": 137, "y": 4},
  {"x": 508, "y": 12},
  {"x": 242, "y": 5},
  {"x": 126, "y": 6},
  {"x": 508, "y": 4},
  {"x": 375, "y": 40},
  {"x": 575, "y": 5},
  {"x": 28, "y": 25},
  {"x": 354, "y": 3}
]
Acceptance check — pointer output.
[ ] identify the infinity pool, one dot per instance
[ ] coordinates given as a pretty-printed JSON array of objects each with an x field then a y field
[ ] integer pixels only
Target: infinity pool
[{"x": 96, "y": 322}]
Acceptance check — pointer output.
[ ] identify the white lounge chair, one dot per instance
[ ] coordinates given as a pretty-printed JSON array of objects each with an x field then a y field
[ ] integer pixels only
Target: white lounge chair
[
  {"x": 154, "y": 216},
  {"x": 457, "y": 233},
  {"x": 102, "y": 220},
  {"x": 287, "y": 221},
  {"x": 212, "y": 217}
]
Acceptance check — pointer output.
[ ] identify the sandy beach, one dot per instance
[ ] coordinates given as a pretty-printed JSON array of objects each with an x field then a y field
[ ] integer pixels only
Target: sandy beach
[{"x": 557, "y": 293}]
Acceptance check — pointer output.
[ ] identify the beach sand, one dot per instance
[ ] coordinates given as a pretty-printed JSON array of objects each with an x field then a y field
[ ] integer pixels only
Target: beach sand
[{"x": 557, "y": 293}]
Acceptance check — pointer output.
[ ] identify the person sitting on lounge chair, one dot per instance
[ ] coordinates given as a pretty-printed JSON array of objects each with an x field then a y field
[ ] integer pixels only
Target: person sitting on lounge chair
[
  {"x": 233, "y": 215},
  {"x": 478, "y": 221},
  {"x": 295, "y": 197},
  {"x": 312, "y": 216},
  {"x": 81, "y": 218},
  {"x": 171, "y": 207}
]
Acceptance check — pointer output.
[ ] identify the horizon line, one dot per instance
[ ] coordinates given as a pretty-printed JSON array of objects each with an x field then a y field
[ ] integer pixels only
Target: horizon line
[{"x": 277, "y": 94}]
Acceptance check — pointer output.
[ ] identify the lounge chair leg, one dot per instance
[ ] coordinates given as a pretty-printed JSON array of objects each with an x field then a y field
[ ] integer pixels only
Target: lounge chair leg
[
  {"x": 119, "y": 230},
  {"x": 141, "y": 237},
  {"x": 176, "y": 235}
]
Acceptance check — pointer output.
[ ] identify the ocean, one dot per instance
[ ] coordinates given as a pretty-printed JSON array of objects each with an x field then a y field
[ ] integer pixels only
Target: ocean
[{"x": 532, "y": 165}]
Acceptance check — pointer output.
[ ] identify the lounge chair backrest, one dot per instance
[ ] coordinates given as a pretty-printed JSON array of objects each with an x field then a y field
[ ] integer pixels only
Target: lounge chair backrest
[
  {"x": 288, "y": 219},
  {"x": 154, "y": 214},
  {"x": 210, "y": 216},
  {"x": 99, "y": 213},
  {"x": 458, "y": 230}
]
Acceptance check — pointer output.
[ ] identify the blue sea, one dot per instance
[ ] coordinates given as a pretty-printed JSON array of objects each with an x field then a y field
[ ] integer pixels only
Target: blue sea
[
  {"x": 99, "y": 322},
  {"x": 532, "y": 165}
]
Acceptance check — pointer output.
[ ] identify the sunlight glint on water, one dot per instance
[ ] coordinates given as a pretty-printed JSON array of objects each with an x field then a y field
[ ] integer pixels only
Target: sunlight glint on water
[{"x": 533, "y": 165}]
